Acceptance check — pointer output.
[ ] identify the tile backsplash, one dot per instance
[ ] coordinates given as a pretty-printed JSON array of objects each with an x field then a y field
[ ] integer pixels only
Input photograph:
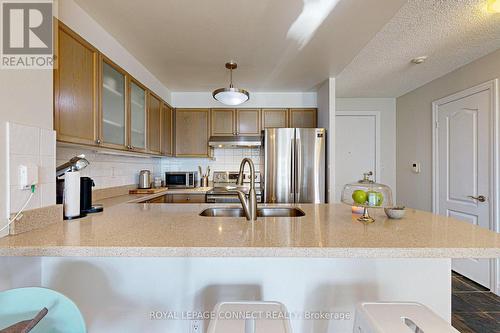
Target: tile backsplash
[
  {"x": 110, "y": 170},
  {"x": 225, "y": 159},
  {"x": 32, "y": 146}
]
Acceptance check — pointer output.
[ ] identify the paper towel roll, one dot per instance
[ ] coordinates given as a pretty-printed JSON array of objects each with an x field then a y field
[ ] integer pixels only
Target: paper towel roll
[{"x": 72, "y": 194}]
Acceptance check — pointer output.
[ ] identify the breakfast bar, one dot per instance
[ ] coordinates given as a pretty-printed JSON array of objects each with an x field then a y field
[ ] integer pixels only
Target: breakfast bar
[
  {"x": 325, "y": 231},
  {"x": 143, "y": 258}
]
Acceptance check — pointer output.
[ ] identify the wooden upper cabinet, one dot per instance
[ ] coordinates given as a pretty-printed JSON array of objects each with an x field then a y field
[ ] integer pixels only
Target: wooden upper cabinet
[
  {"x": 75, "y": 91},
  {"x": 274, "y": 118},
  {"x": 192, "y": 132},
  {"x": 223, "y": 122},
  {"x": 154, "y": 124},
  {"x": 248, "y": 122},
  {"x": 112, "y": 106},
  {"x": 166, "y": 130},
  {"x": 137, "y": 116},
  {"x": 303, "y": 118}
]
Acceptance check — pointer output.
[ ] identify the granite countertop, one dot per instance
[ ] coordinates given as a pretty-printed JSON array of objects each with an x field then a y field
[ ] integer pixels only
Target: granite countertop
[{"x": 328, "y": 230}]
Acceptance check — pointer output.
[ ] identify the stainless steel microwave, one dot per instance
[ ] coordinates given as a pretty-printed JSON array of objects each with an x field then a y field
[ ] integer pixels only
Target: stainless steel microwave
[{"x": 181, "y": 179}]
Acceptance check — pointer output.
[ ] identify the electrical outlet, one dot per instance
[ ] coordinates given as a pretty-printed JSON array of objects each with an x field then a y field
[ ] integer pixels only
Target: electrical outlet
[
  {"x": 27, "y": 176},
  {"x": 196, "y": 326}
]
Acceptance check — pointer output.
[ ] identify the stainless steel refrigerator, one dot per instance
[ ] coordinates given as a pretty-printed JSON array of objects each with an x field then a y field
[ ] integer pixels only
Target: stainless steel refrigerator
[{"x": 294, "y": 165}]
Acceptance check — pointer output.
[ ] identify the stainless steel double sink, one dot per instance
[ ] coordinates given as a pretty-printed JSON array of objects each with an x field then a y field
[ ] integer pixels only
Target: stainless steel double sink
[{"x": 261, "y": 212}]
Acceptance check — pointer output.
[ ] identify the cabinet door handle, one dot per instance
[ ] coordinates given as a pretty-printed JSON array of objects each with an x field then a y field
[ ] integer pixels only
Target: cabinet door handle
[
  {"x": 480, "y": 198},
  {"x": 98, "y": 141}
]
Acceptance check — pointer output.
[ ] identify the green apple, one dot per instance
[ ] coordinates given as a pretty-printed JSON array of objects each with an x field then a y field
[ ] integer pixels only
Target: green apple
[
  {"x": 359, "y": 196},
  {"x": 380, "y": 198}
]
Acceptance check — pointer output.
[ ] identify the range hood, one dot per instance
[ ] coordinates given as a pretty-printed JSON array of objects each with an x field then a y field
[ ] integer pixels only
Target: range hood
[{"x": 235, "y": 141}]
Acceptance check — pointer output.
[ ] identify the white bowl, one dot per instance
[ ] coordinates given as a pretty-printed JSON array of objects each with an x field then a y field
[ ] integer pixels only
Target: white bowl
[{"x": 395, "y": 212}]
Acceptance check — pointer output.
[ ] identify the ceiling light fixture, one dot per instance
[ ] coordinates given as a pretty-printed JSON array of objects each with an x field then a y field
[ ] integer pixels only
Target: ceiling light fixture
[
  {"x": 494, "y": 6},
  {"x": 419, "y": 60},
  {"x": 231, "y": 95}
]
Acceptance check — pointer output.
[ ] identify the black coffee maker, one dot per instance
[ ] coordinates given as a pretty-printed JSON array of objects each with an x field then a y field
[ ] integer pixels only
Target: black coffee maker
[{"x": 86, "y": 207}]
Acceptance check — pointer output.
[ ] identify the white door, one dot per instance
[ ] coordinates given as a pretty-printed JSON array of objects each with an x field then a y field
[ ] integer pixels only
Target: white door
[
  {"x": 356, "y": 146},
  {"x": 463, "y": 156}
]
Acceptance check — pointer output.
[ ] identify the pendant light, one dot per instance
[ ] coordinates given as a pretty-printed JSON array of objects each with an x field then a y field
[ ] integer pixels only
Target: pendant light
[{"x": 231, "y": 95}]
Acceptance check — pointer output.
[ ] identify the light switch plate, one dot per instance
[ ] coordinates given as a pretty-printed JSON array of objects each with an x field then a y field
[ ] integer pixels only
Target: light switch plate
[{"x": 415, "y": 167}]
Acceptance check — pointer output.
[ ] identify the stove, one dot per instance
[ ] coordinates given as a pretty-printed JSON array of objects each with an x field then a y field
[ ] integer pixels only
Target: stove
[{"x": 228, "y": 178}]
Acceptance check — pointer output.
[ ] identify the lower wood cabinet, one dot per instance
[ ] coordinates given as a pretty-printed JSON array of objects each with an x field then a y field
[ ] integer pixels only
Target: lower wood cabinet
[
  {"x": 185, "y": 198},
  {"x": 192, "y": 132},
  {"x": 179, "y": 198}
]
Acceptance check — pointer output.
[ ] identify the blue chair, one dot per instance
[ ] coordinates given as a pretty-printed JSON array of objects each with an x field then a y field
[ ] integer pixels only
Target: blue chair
[{"x": 23, "y": 304}]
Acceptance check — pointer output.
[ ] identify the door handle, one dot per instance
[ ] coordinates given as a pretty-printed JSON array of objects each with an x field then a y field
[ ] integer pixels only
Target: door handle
[{"x": 480, "y": 198}]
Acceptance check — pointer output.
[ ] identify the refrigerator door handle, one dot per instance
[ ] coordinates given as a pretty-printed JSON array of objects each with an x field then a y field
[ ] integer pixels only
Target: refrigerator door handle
[{"x": 298, "y": 169}]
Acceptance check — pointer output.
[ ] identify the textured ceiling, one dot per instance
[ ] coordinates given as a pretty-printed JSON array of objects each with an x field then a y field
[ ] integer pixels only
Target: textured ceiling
[
  {"x": 451, "y": 33},
  {"x": 279, "y": 45}
]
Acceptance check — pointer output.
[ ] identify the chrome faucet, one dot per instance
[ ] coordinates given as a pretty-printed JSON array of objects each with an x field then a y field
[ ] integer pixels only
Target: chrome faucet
[{"x": 249, "y": 204}]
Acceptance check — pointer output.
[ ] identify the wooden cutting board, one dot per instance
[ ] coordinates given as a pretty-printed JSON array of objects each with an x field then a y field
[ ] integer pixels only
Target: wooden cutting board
[{"x": 147, "y": 190}]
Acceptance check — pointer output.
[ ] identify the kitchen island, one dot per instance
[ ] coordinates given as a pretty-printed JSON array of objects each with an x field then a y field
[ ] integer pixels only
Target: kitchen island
[
  {"x": 136, "y": 258},
  {"x": 326, "y": 231}
]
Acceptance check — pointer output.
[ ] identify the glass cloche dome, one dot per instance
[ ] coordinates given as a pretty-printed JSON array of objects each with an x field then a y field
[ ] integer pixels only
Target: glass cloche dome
[{"x": 366, "y": 193}]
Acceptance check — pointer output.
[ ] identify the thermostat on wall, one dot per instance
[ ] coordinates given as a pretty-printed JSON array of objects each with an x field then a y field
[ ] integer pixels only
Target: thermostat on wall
[{"x": 415, "y": 167}]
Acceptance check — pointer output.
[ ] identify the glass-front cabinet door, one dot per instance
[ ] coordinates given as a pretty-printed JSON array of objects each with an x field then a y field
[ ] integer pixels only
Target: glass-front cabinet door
[
  {"x": 137, "y": 116},
  {"x": 113, "y": 110}
]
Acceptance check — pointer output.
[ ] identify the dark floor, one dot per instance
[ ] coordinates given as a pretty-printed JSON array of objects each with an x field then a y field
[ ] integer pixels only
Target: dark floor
[{"x": 474, "y": 308}]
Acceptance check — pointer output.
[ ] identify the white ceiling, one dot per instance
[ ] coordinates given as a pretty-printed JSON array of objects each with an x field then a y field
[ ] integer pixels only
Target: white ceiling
[
  {"x": 451, "y": 33},
  {"x": 279, "y": 45},
  {"x": 294, "y": 45}
]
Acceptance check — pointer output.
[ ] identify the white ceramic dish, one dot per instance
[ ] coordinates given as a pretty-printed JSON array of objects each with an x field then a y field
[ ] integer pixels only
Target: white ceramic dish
[{"x": 395, "y": 212}]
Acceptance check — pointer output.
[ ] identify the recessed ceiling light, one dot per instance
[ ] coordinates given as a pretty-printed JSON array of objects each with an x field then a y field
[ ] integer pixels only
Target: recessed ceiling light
[
  {"x": 419, "y": 60},
  {"x": 494, "y": 6}
]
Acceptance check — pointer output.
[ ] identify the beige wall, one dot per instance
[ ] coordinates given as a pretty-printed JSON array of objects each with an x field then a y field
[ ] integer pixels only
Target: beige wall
[
  {"x": 326, "y": 119},
  {"x": 26, "y": 98},
  {"x": 414, "y": 127}
]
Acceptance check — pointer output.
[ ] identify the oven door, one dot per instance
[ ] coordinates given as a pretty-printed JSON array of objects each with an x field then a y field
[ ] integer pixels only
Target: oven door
[{"x": 176, "y": 179}]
